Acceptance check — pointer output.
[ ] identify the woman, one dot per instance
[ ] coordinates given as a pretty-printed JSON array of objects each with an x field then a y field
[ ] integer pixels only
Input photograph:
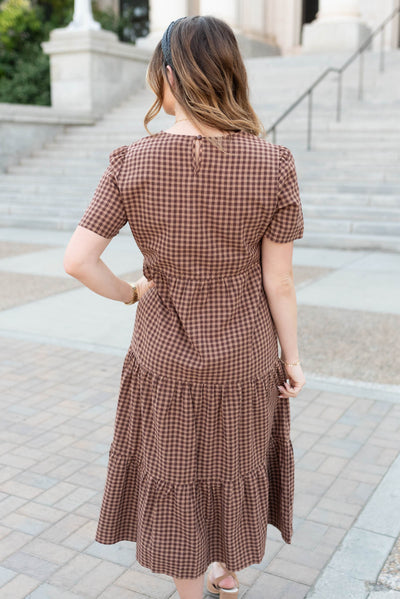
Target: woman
[{"x": 201, "y": 459}]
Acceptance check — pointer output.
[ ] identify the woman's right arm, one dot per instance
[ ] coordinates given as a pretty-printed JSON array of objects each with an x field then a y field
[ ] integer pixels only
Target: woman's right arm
[{"x": 279, "y": 287}]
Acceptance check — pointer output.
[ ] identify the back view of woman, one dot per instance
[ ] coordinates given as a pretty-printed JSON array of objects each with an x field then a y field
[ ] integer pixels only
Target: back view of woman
[{"x": 201, "y": 459}]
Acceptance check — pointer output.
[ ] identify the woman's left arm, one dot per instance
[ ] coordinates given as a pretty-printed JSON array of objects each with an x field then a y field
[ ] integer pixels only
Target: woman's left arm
[{"x": 82, "y": 261}]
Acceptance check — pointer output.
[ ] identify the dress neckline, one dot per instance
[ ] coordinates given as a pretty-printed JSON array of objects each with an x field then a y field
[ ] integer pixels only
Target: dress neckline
[{"x": 198, "y": 136}]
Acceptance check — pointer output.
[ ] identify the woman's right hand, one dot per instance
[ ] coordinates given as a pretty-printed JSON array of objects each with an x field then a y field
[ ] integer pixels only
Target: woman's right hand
[
  {"x": 142, "y": 285},
  {"x": 296, "y": 381}
]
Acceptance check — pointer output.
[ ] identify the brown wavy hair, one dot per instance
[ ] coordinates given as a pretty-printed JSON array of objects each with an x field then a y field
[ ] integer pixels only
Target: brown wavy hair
[{"x": 211, "y": 79}]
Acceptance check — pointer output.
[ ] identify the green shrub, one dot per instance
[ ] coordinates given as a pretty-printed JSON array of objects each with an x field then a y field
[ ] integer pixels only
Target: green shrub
[
  {"x": 19, "y": 25},
  {"x": 30, "y": 80},
  {"x": 57, "y": 13},
  {"x": 24, "y": 69}
]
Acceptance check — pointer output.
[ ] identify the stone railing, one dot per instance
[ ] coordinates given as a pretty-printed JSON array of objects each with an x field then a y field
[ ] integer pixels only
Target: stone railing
[
  {"x": 24, "y": 128},
  {"x": 91, "y": 70}
]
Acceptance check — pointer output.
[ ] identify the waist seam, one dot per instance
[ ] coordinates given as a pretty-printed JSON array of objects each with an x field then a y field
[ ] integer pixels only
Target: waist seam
[{"x": 152, "y": 270}]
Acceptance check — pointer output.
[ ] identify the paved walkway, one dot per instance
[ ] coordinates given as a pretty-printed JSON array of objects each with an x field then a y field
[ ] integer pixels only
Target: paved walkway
[{"x": 61, "y": 354}]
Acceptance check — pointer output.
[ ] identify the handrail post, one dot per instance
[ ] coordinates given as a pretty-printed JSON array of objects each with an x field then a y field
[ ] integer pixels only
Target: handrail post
[
  {"x": 339, "y": 97},
  {"x": 361, "y": 76},
  {"x": 309, "y": 120},
  {"x": 382, "y": 56}
]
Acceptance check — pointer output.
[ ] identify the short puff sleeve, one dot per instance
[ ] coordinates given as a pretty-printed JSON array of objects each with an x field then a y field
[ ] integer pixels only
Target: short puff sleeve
[
  {"x": 105, "y": 215},
  {"x": 287, "y": 221}
]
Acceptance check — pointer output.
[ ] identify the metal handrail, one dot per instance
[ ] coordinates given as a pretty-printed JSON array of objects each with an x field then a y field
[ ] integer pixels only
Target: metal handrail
[{"x": 359, "y": 52}]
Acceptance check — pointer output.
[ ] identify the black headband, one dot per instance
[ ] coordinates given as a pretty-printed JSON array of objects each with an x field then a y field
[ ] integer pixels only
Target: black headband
[{"x": 166, "y": 42}]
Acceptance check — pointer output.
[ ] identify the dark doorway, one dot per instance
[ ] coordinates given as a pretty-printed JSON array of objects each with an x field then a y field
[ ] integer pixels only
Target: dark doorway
[
  {"x": 134, "y": 18},
  {"x": 310, "y": 9}
]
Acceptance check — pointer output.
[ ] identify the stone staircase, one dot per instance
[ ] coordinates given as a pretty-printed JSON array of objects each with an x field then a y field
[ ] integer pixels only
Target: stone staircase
[{"x": 350, "y": 181}]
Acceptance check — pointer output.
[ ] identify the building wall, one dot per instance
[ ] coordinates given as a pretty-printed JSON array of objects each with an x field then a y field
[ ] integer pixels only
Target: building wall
[
  {"x": 223, "y": 9},
  {"x": 268, "y": 20},
  {"x": 273, "y": 21},
  {"x": 374, "y": 13}
]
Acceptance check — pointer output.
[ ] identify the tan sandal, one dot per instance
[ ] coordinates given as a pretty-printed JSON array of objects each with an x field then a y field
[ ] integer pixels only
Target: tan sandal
[{"x": 224, "y": 593}]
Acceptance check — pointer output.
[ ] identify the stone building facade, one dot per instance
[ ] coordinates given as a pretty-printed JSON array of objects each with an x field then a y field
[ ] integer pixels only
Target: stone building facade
[{"x": 291, "y": 26}]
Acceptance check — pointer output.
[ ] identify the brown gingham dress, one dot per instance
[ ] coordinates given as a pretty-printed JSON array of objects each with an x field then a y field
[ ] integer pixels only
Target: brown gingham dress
[{"x": 201, "y": 458}]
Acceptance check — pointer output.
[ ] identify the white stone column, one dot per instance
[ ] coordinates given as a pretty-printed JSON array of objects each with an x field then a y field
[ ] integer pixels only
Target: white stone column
[
  {"x": 252, "y": 28},
  {"x": 227, "y": 10},
  {"x": 284, "y": 23},
  {"x": 337, "y": 9},
  {"x": 338, "y": 26},
  {"x": 162, "y": 12},
  {"x": 83, "y": 17}
]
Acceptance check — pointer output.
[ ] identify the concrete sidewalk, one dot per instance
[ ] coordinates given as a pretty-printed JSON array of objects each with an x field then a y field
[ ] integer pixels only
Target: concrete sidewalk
[{"x": 61, "y": 354}]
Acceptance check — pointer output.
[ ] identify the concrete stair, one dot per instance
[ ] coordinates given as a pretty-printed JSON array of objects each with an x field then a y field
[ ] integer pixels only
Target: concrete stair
[{"x": 349, "y": 181}]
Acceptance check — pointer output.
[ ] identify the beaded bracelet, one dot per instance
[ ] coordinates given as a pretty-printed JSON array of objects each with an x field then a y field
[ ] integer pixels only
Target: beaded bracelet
[{"x": 290, "y": 363}]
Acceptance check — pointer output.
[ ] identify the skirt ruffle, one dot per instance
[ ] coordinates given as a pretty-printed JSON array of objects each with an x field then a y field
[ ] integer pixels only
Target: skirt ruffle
[{"x": 196, "y": 471}]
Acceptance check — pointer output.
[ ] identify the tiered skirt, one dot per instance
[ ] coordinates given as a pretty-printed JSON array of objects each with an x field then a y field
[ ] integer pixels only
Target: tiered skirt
[{"x": 197, "y": 471}]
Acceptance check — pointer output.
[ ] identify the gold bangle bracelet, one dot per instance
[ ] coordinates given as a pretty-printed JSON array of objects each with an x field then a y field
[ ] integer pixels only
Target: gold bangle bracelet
[
  {"x": 290, "y": 363},
  {"x": 134, "y": 297}
]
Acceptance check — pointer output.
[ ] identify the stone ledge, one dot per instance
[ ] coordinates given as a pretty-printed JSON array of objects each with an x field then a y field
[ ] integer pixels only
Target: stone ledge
[
  {"x": 29, "y": 113},
  {"x": 68, "y": 41}
]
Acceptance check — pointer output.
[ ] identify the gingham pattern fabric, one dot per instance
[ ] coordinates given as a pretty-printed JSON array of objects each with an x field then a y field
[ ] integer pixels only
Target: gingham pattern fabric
[{"x": 201, "y": 458}]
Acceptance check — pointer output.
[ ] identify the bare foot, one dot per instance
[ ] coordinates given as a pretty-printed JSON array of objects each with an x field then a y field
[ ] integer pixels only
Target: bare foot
[{"x": 218, "y": 569}]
